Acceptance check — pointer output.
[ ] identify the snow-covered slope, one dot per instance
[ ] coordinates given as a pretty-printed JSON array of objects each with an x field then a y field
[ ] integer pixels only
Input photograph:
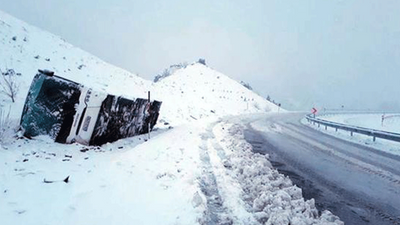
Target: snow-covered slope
[
  {"x": 198, "y": 91},
  {"x": 26, "y": 49},
  {"x": 191, "y": 93},
  {"x": 179, "y": 176}
]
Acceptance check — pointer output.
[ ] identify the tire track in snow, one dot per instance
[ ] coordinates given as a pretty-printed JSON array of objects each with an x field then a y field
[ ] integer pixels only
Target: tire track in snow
[{"x": 215, "y": 213}]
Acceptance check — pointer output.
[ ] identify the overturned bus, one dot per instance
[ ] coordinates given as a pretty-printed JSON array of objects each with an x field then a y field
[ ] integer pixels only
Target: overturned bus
[{"x": 70, "y": 112}]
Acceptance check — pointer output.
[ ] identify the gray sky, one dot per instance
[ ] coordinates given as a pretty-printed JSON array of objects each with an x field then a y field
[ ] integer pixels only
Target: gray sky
[{"x": 301, "y": 53}]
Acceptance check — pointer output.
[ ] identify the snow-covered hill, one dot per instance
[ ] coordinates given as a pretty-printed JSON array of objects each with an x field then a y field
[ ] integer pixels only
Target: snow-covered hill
[
  {"x": 26, "y": 49},
  {"x": 197, "y": 92},
  {"x": 189, "y": 94}
]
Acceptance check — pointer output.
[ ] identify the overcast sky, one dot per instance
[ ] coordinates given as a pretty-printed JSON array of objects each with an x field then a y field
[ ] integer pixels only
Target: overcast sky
[{"x": 301, "y": 53}]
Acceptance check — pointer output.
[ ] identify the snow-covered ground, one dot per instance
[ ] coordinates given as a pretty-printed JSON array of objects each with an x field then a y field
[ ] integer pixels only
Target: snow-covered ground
[
  {"x": 130, "y": 181},
  {"x": 200, "y": 173},
  {"x": 196, "y": 168},
  {"x": 372, "y": 121}
]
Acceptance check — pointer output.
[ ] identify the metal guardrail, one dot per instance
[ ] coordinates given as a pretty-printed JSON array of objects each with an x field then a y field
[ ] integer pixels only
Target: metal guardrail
[{"x": 355, "y": 129}]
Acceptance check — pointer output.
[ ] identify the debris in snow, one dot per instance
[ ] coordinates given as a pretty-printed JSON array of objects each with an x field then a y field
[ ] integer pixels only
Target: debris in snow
[
  {"x": 47, "y": 181},
  {"x": 84, "y": 150},
  {"x": 161, "y": 175},
  {"x": 66, "y": 180},
  {"x": 20, "y": 211}
]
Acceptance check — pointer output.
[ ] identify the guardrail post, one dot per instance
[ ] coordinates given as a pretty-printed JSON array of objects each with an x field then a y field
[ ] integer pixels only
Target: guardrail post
[
  {"x": 336, "y": 129},
  {"x": 351, "y": 133},
  {"x": 373, "y": 138},
  {"x": 326, "y": 127},
  {"x": 319, "y": 124}
]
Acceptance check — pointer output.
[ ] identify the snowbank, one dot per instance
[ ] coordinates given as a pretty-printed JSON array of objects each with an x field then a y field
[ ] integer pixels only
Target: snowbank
[{"x": 270, "y": 197}]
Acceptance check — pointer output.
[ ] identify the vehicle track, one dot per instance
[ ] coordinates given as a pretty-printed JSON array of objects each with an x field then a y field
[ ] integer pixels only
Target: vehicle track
[{"x": 215, "y": 212}]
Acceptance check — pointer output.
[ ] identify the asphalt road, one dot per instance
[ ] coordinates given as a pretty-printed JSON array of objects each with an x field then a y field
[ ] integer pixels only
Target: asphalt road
[{"x": 359, "y": 184}]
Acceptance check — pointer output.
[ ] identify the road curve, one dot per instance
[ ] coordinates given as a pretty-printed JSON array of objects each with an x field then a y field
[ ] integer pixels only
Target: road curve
[{"x": 359, "y": 184}]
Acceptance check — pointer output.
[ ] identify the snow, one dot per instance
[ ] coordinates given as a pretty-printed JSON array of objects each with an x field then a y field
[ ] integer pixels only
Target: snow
[
  {"x": 196, "y": 168},
  {"x": 35, "y": 49},
  {"x": 131, "y": 180},
  {"x": 371, "y": 121},
  {"x": 269, "y": 196},
  {"x": 197, "y": 92},
  {"x": 391, "y": 122},
  {"x": 191, "y": 93}
]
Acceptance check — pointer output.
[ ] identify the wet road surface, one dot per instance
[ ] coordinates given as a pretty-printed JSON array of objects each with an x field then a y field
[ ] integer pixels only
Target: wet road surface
[{"x": 359, "y": 184}]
